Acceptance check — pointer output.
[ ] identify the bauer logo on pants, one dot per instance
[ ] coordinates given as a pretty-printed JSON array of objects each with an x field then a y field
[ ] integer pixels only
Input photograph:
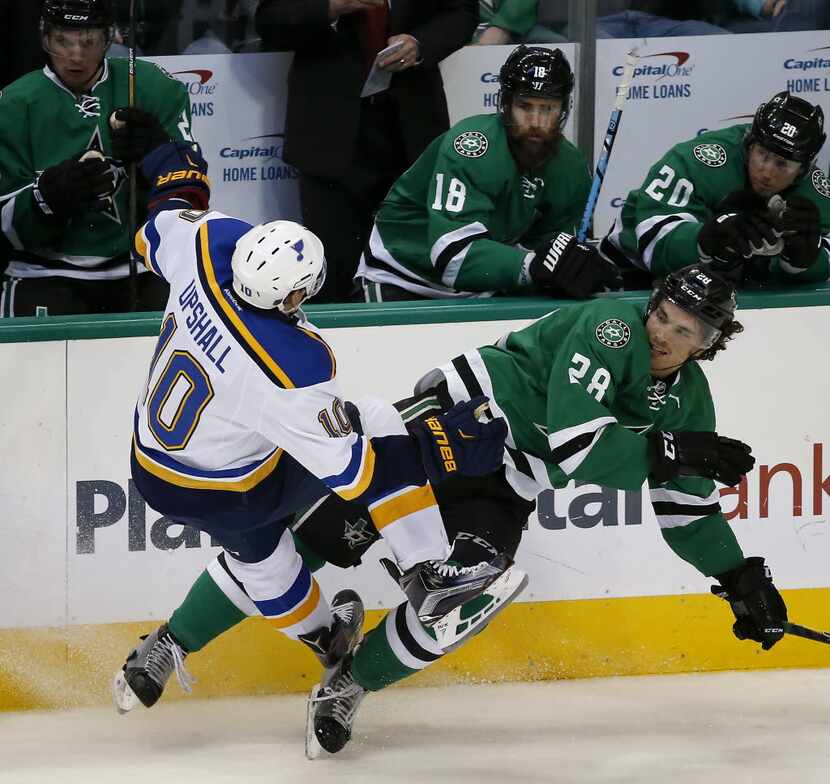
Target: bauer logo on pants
[
  {"x": 471, "y": 144},
  {"x": 613, "y": 333}
]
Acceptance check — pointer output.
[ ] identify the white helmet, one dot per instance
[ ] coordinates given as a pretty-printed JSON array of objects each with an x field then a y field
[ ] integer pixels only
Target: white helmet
[{"x": 274, "y": 259}]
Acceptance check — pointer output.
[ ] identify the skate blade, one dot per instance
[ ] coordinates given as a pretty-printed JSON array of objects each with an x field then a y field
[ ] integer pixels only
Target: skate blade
[
  {"x": 312, "y": 745},
  {"x": 452, "y": 630},
  {"x": 123, "y": 697}
]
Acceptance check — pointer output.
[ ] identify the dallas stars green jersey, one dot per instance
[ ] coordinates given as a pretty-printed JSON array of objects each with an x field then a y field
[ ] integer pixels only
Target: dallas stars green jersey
[
  {"x": 42, "y": 123},
  {"x": 576, "y": 390},
  {"x": 461, "y": 220},
  {"x": 659, "y": 224}
]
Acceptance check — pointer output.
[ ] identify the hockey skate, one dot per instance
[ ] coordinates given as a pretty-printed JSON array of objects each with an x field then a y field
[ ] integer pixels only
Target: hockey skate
[
  {"x": 331, "y": 710},
  {"x": 436, "y": 588},
  {"x": 331, "y": 644},
  {"x": 147, "y": 670}
]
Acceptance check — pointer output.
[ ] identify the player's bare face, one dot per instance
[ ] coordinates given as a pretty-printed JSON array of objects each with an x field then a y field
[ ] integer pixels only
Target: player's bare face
[
  {"x": 770, "y": 173},
  {"x": 76, "y": 55},
  {"x": 674, "y": 336},
  {"x": 534, "y": 129}
]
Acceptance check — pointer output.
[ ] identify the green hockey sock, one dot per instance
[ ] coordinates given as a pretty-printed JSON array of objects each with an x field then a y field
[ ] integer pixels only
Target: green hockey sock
[
  {"x": 204, "y": 614},
  {"x": 396, "y": 648}
]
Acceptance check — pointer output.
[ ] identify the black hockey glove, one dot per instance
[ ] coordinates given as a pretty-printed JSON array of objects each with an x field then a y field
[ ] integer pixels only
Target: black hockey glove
[
  {"x": 569, "y": 268},
  {"x": 75, "y": 186},
  {"x": 693, "y": 453},
  {"x": 134, "y": 133},
  {"x": 733, "y": 235},
  {"x": 800, "y": 223},
  {"x": 759, "y": 609},
  {"x": 455, "y": 442}
]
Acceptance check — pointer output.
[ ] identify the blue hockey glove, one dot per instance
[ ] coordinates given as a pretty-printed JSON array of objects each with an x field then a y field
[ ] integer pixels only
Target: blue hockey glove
[
  {"x": 455, "y": 442},
  {"x": 177, "y": 171}
]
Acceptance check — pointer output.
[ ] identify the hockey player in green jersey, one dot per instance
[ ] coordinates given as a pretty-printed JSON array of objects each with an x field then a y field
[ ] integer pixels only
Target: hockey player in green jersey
[
  {"x": 748, "y": 199},
  {"x": 598, "y": 392},
  {"x": 65, "y": 218},
  {"x": 491, "y": 205}
]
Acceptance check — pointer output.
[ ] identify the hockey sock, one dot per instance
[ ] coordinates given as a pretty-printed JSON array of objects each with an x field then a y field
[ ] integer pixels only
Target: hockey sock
[
  {"x": 205, "y": 613},
  {"x": 396, "y": 648}
]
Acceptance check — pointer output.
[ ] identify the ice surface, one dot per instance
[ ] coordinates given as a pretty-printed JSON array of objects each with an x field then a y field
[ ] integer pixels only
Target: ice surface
[{"x": 758, "y": 727}]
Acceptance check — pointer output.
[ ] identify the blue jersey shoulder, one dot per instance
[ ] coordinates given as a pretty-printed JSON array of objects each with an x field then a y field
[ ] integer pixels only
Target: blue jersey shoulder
[{"x": 288, "y": 354}]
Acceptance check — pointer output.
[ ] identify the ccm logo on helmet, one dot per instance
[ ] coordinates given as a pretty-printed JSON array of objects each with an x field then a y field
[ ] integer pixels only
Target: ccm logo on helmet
[
  {"x": 75, "y": 17},
  {"x": 441, "y": 439}
]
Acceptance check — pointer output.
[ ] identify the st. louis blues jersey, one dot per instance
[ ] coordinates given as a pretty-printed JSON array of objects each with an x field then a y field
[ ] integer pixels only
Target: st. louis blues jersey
[{"x": 231, "y": 389}]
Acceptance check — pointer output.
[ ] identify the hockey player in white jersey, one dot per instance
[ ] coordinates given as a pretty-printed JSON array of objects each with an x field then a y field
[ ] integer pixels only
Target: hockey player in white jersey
[{"x": 241, "y": 421}]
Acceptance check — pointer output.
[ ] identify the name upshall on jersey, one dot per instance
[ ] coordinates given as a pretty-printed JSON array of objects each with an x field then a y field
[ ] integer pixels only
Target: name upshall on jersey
[{"x": 207, "y": 337}]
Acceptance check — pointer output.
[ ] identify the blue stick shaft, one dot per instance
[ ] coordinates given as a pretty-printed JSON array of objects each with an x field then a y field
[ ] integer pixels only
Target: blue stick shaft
[{"x": 607, "y": 145}]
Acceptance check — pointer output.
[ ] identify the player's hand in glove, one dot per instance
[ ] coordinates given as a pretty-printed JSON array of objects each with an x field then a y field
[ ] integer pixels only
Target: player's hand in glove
[
  {"x": 572, "y": 269},
  {"x": 800, "y": 223},
  {"x": 75, "y": 186},
  {"x": 134, "y": 133},
  {"x": 455, "y": 442},
  {"x": 759, "y": 610},
  {"x": 692, "y": 453},
  {"x": 742, "y": 227}
]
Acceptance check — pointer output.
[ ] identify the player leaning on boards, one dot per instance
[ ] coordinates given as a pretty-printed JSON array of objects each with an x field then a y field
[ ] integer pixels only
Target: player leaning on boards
[
  {"x": 65, "y": 220},
  {"x": 241, "y": 422},
  {"x": 597, "y": 392},
  {"x": 748, "y": 199},
  {"x": 491, "y": 205}
]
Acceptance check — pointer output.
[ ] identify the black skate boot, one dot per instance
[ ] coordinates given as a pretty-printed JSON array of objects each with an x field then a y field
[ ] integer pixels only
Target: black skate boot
[
  {"x": 331, "y": 710},
  {"x": 147, "y": 670},
  {"x": 435, "y": 588},
  {"x": 331, "y": 644}
]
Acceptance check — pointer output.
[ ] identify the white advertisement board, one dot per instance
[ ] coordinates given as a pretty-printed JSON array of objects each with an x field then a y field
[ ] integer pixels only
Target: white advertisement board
[
  {"x": 685, "y": 86},
  {"x": 81, "y": 546}
]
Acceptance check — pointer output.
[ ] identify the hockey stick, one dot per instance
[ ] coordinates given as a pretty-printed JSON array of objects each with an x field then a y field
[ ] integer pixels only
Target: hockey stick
[
  {"x": 801, "y": 631},
  {"x": 133, "y": 195},
  {"x": 608, "y": 144}
]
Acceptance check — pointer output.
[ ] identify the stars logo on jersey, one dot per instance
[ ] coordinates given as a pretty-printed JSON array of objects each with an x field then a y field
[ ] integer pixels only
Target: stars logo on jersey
[
  {"x": 471, "y": 144},
  {"x": 88, "y": 106},
  {"x": 357, "y": 533},
  {"x": 118, "y": 173},
  {"x": 613, "y": 333},
  {"x": 713, "y": 155},
  {"x": 821, "y": 183}
]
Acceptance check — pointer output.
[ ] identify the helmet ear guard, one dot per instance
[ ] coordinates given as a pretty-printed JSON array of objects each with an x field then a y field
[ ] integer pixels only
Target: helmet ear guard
[{"x": 273, "y": 260}]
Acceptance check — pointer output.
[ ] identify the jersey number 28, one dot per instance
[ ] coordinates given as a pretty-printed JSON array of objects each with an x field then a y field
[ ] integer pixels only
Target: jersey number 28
[{"x": 598, "y": 385}]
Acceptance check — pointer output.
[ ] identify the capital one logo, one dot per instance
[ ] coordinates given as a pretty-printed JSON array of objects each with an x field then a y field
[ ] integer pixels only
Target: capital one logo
[
  {"x": 669, "y": 64},
  {"x": 199, "y": 81}
]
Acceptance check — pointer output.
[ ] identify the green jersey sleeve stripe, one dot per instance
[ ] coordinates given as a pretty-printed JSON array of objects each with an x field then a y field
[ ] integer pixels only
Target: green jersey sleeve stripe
[
  {"x": 662, "y": 225},
  {"x": 448, "y": 262},
  {"x": 7, "y": 222},
  {"x": 570, "y": 447},
  {"x": 675, "y": 496},
  {"x": 671, "y": 515},
  {"x": 446, "y": 242}
]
